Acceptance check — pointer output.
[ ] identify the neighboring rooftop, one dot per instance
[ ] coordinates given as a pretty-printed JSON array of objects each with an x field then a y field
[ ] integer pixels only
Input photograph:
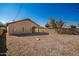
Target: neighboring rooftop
[{"x": 68, "y": 26}]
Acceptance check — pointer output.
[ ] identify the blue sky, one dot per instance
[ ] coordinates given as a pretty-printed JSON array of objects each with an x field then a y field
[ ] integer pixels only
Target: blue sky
[{"x": 40, "y": 12}]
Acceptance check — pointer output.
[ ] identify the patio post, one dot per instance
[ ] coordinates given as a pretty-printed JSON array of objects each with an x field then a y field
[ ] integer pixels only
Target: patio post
[{"x": 38, "y": 29}]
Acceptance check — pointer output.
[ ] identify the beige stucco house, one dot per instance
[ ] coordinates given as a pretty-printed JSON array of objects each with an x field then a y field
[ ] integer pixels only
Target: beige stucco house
[{"x": 25, "y": 26}]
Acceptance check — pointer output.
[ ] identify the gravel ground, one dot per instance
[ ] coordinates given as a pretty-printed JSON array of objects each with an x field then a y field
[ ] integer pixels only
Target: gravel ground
[{"x": 47, "y": 45}]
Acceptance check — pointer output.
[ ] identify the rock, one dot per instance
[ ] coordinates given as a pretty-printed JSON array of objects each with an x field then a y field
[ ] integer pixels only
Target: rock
[{"x": 37, "y": 39}]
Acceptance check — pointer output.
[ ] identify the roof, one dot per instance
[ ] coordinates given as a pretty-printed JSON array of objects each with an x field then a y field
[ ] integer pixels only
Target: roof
[{"x": 23, "y": 20}]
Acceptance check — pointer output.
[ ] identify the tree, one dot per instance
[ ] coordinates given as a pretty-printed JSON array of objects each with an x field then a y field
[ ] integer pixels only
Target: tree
[
  {"x": 59, "y": 25},
  {"x": 2, "y": 25},
  {"x": 47, "y": 25},
  {"x": 52, "y": 23}
]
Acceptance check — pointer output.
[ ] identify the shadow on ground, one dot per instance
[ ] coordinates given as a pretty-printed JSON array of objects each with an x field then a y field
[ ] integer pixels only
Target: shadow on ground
[
  {"x": 34, "y": 34},
  {"x": 3, "y": 48}
]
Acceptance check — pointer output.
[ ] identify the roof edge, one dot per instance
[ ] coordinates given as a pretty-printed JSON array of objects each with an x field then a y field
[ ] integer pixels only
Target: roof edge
[{"x": 23, "y": 20}]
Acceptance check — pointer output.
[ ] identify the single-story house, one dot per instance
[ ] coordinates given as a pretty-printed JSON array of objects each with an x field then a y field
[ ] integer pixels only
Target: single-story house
[
  {"x": 41, "y": 29},
  {"x": 25, "y": 26}
]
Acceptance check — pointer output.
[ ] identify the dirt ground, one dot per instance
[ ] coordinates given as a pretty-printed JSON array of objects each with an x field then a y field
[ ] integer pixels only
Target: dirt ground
[{"x": 48, "y": 45}]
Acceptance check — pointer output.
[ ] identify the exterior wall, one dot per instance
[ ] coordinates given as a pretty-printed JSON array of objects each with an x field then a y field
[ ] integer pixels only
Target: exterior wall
[
  {"x": 41, "y": 30},
  {"x": 22, "y": 27}
]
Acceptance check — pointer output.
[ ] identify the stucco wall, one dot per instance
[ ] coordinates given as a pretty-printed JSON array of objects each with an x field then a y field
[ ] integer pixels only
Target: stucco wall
[{"x": 20, "y": 27}]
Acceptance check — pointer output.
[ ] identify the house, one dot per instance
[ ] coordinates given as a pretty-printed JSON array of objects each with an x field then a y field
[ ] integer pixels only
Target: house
[
  {"x": 25, "y": 26},
  {"x": 41, "y": 29}
]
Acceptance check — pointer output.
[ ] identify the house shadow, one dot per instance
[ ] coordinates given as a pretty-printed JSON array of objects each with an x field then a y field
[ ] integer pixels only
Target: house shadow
[
  {"x": 3, "y": 48},
  {"x": 33, "y": 34}
]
